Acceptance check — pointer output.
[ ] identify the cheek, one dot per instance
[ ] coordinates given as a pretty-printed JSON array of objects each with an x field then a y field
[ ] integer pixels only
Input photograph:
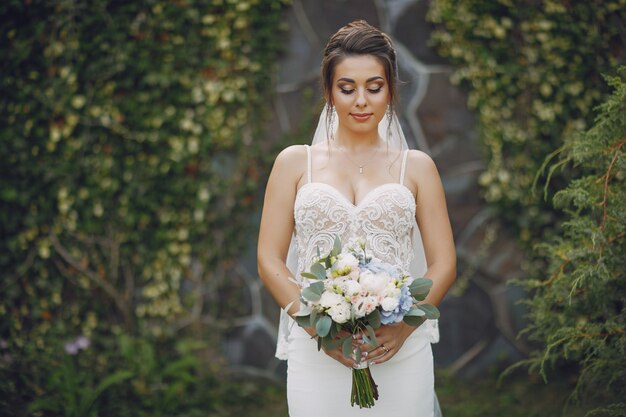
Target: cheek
[{"x": 341, "y": 101}]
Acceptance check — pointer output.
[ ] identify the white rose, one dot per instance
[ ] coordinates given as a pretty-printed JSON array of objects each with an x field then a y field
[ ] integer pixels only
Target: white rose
[
  {"x": 340, "y": 313},
  {"x": 374, "y": 283},
  {"x": 390, "y": 303},
  {"x": 351, "y": 288},
  {"x": 330, "y": 299}
]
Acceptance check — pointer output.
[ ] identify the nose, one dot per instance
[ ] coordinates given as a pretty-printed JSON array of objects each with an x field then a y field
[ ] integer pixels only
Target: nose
[{"x": 360, "y": 98}]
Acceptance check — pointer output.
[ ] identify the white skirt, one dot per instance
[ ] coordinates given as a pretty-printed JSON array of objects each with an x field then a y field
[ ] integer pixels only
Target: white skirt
[{"x": 319, "y": 386}]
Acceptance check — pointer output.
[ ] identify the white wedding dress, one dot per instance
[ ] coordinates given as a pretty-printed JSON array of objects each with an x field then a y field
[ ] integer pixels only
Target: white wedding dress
[{"x": 317, "y": 385}]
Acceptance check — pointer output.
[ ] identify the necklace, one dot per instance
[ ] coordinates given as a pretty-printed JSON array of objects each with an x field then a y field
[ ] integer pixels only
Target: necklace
[{"x": 363, "y": 164}]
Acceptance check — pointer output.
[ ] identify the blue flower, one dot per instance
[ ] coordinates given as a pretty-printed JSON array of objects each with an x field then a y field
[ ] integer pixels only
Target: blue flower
[
  {"x": 376, "y": 266},
  {"x": 404, "y": 305}
]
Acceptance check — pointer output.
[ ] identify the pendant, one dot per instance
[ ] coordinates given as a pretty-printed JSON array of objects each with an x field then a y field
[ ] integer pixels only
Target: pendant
[{"x": 360, "y": 169}]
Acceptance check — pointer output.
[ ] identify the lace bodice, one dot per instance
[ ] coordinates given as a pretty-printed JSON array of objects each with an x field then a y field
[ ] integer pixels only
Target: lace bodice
[{"x": 384, "y": 218}]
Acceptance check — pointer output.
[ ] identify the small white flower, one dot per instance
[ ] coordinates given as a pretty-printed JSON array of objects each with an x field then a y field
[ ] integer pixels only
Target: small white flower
[
  {"x": 391, "y": 290},
  {"x": 330, "y": 299},
  {"x": 390, "y": 303},
  {"x": 340, "y": 313},
  {"x": 345, "y": 264},
  {"x": 351, "y": 288},
  {"x": 359, "y": 307},
  {"x": 370, "y": 304}
]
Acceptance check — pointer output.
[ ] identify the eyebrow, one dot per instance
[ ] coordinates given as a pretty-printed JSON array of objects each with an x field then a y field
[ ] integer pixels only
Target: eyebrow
[{"x": 369, "y": 80}]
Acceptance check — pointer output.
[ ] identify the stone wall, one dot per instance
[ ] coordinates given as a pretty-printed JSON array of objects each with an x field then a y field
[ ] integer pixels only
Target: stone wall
[{"x": 480, "y": 317}]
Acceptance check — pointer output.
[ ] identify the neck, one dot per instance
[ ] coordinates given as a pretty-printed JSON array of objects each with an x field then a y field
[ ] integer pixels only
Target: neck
[{"x": 354, "y": 141}]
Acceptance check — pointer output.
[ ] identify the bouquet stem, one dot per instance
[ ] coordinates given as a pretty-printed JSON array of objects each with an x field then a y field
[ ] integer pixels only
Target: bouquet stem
[{"x": 364, "y": 389}]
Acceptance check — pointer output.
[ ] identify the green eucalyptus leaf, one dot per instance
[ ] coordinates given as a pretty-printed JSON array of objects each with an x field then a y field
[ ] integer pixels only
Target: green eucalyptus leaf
[
  {"x": 329, "y": 343},
  {"x": 308, "y": 275},
  {"x": 416, "y": 312},
  {"x": 313, "y": 317},
  {"x": 415, "y": 321},
  {"x": 420, "y": 286},
  {"x": 322, "y": 327},
  {"x": 373, "y": 319},
  {"x": 318, "y": 270},
  {"x": 303, "y": 321},
  {"x": 372, "y": 335},
  {"x": 337, "y": 245},
  {"x": 309, "y": 294},
  {"x": 430, "y": 310},
  {"x": 346, "y": 346}
]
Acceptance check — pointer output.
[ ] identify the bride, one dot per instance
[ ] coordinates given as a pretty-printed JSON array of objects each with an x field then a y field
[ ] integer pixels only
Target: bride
[{"x": 357, "y": 179}]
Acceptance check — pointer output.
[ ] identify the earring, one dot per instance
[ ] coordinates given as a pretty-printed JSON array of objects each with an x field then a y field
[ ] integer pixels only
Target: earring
[
  {"x": 389, "y": 120},
  {"x": 330, "y": 115}
]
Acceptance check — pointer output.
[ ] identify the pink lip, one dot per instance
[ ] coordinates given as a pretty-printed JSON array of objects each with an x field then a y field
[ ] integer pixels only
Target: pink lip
[{"x": 361, "y": 117}]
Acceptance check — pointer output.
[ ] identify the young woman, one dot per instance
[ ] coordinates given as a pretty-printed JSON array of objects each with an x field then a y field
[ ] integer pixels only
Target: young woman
[{"x": 358, "y": 179}]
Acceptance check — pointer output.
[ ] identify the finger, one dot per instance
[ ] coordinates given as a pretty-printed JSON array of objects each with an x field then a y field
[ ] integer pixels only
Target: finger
[{"x": 380, "y": 354}]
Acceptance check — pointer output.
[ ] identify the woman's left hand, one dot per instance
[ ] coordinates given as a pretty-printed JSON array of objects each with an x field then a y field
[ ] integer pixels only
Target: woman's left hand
[{"x": 390, "y": 339}]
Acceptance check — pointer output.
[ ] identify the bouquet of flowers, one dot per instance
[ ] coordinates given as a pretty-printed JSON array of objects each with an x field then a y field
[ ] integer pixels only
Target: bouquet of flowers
[{"x": 351, "y": 292}]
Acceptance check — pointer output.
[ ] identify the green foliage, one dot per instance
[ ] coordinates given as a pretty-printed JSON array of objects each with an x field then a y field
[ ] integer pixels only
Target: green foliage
[
  {"x": 127, "y": 151},
  {"x": 533, "y": 72},
  {"x": 534, "y": 75},
  {"x": 578, "y": 308},
  {"x": 127, "y": 377},
  {"x": 130, "y": 167}
]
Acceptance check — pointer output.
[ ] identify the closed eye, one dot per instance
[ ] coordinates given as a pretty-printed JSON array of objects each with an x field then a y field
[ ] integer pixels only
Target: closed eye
[{"x": 371, "y": 90}]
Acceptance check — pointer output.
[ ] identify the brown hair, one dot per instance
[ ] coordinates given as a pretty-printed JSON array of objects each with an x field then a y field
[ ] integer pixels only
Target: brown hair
[{"x": 359, "y": 38}]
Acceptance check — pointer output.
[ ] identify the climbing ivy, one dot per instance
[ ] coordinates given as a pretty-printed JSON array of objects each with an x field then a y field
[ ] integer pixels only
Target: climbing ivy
[
  {"x": 533, "y": 73},
  {"x": 129, "y": 156}
]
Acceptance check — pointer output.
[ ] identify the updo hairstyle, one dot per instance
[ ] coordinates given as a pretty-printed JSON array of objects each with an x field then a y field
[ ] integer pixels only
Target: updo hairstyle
[{"x": 359, "y": 38}]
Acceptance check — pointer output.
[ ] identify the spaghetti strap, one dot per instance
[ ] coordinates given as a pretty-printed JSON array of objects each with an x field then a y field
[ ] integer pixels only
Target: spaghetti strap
[
  {"x": 403, "y": 169},
  {"x": 308, "y": 163}
]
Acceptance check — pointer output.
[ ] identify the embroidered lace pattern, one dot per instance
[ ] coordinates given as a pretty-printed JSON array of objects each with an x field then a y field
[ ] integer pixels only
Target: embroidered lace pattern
[{"x": 384, "y": 218}]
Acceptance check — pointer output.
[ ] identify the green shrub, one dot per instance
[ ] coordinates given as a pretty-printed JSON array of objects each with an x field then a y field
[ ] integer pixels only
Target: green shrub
[
  {"x": 533, "y": 72},
  {"x": 577, "y": 311},
  {"x": 130, "y": 165},
  {"x": 534, "y": 76}
]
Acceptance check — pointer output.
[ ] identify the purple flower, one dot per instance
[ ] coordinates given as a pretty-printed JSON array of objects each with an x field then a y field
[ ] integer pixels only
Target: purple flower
[
  {"x": 82, "y": 342},
  {"x": 404, "y": 305},
  {"x": 71, "y": 348},
  {"x": 78, "y": 344}
]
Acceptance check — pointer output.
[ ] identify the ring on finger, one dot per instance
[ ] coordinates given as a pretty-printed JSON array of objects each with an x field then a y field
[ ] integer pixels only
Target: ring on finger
[{"x": 385, "y": 348}]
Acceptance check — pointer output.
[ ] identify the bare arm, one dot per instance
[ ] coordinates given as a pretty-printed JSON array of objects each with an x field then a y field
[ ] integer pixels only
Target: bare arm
[
  {"x": 277, "y": 224},
  {"x": 432, "y": 218}
]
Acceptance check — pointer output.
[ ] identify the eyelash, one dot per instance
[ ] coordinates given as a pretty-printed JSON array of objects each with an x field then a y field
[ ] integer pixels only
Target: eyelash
[{"x": 373, "y": 91}]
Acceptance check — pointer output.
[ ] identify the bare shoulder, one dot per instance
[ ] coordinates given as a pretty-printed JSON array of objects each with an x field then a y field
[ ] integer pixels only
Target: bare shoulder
[
  {"x": 420, "y": 163},
  {"x": 290, "y": 163},
  {"x": 292, "y": 156}
]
